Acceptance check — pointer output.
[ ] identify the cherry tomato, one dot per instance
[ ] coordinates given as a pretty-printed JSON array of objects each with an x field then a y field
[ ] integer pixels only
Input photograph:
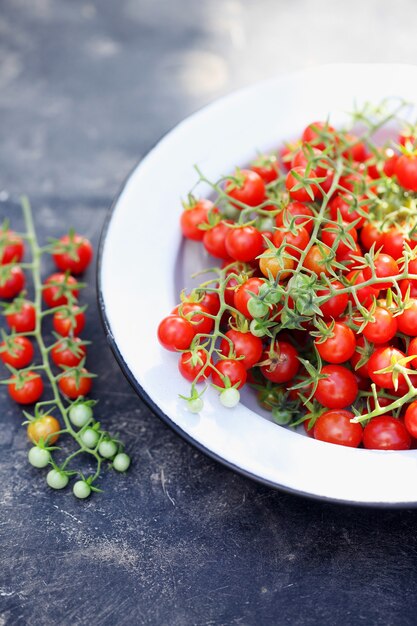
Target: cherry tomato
[
  {"x": 245, "y": 292},
  {"x": 283, "y": 362},
  {"x": 244, "y": 243},
  {"x": 17, "y": 352},
  {"x": 339, "y": 347},
  {"x": 191, "y": 364},
  {"x": 197, "y": 315},
  {"x": 330, "y": 235},
  {"x": 385, "y": 266},
  {"x": 23, "y": 317},
  {"x": 319, "y": 134},
  {"x": 382, "y": 358},
  {"x": 407, "y": 321},
  {"x": 338, "y": 390},
  {"x": 193, "y": 216},
  {"x": 12, "y": 248},
  {"x": 336, "y": 427},
  {"x": 410, "y": 419},
  {"x": 214, "y": 240},
  {"x": 248, "y": 188},
  {"x": 13, "y": 281},
  {"x": 356, "y": 150},
  {"x": 383, "y": 328},
  {"x": 175, "y": 333},
  {"x": 386, "y": 433},
  {"x": 57, "y": 289},
  {"x": 390, "y": 162},
  {"x": 302, "y": 194},
  {"x": 68, "y": 352},
  {"x": 316, "y": 259},
  {"x": 73, "y": 388},
  {"x": 408, "y": 287},
  {"x": 73, "y": 253},
  {"x": 296, "y": 212},
  {"x": 412, "y": 351},
  {"x": 336, "y": 304},
  {"x": 348, "y": 207},
  {"x": 67, "y": 323},
  {"x": 231, "y": 369},
  {"x": 370, "y": 235},
  {"x": 293, "y": 244},
  {"x": 393, "y": 242},
  {"x": 366, "y": 294},
  {"x": 357, "y": 356},
  {"x": 210, "y": 300},
  {"x": 46, "y": 428},
  {"x": 266, "y": 166},
  {"x": 27, "y": 390},
  {"x": 244, "y": 345},
  {"x": 406, "y": 172},
  {"x": 271, "y": 264}
]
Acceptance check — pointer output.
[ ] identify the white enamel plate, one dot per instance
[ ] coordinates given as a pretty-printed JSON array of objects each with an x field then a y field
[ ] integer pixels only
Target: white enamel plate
[{"x": 144, "y": 264}]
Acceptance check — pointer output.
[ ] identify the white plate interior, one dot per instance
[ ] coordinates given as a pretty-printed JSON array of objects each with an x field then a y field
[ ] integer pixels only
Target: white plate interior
[{"x": 142, "y": 262}]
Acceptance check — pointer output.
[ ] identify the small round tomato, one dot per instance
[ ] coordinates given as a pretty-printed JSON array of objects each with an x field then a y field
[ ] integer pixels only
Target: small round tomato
[
  {"x": 210, "y": 300},
  {"x": 22, "y": 319},
  {"x": 68, "y": 352},
  {"x": 339, "y": 347},
  {"x": 17, "y": 352},
  {"x": 370, "y": 235},
  {"x": 331, "y": 236},
  {"x": 407, "y": 321},
  {"x": 306, "y": 193},
  {"x": 338, "y": 389},
  {"x": 366, "y": 294},
  {"x": 365, "y": 349},
  {"x": 383, "y": 328},
  {"x": 244, "y": 243},
  {"x": 336, "y": 304},
  {"x": 410, "y": 419},
  {"x": 293, "y": 244},
  {"x": 390, "y": 163},
  {"x": 175, "y": 333},
  {"x": 283, "y": 363},
  {"x": 336, "y": 427},
  {"x": 386, "y": 433},
  {"x": 269, "y": 264},
  {"x": 381, "y": 359},
  {"x": 73, "y": 253},
  {"x": 412, "y": 351},
  {"x": 46, "y": 428},
  {"x": 385, "y": 266},
  {"x": 12, "y": 281},
  {"x": 12, "y": 248},
  {"x": 74, "y": 386},
  {"x": 26, "y": 389},
  {"x": 245, "y": 292},
  {"x": 228, "y": 373},
  {"x": 355, "y": 150},
  {"x": 393, "y": 242},
  {"x": 347, "y": 205},
  {"x": 319, "y": 134},
  {"x": 266, "y": 166},
  {"x": 243, "y": 345},
  {"x": 298, "y": 213},
  {"x": 69, "y": 322},
  {"x": 247, "y": 187},
  {"x": 57, "y": 289},
  {"x": 195, "y": 215},
  {"x": 214, "y": 240},
  {"x": 316, "y": 260},
  {"x": 192, "y": 366},
  {"x": 406, "y": 172},
  {"x": 197, "y": 314},
  {"x": 408, "y": 287}
]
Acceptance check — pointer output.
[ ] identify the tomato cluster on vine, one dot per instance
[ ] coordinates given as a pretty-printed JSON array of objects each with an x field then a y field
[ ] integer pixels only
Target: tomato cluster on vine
[{"x": 314, "y": 304}]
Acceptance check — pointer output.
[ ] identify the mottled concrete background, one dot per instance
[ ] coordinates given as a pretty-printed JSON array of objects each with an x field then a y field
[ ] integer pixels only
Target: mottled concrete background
[{"x": 85, "y": 89}]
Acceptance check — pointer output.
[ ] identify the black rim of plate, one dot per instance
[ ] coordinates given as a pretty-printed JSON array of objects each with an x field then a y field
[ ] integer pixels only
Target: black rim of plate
[{"x": 165, "y": 418}]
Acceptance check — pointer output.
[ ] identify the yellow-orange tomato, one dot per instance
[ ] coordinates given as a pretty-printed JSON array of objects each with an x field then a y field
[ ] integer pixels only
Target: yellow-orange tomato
[
  {"x": 315, "y": 260},
  {"x": 274, "y": 265},
  {"x": 44, "y": 428}
]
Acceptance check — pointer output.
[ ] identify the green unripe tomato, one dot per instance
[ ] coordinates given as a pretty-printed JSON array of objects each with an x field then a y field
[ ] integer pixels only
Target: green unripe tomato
[
  {"x": 90, "y": 438},
  {"x": 107, "y": 448},
  {"x": 121, "y": 462},
  {"x": 57, "y": 479},
  {"x": 80, "y": 414},
  {"x": 230, "y": 397},
  {"x": 38, "y": 457},
  {"x": 195, "y": 405},
  {"x": 257, "y": 308},
  {"x": 81, "y": 489}
]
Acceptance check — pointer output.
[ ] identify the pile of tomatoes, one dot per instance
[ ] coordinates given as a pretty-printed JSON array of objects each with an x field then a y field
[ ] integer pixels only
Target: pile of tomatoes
[
  {"x": 72, "y": 254},
  {"x": 314, "y": 304}
]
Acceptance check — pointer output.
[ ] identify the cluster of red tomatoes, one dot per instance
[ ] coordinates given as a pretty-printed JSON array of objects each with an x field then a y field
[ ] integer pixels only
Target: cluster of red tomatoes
[
  {"x": 315, "y": 302},
  {"x": 71, "y": 254}
]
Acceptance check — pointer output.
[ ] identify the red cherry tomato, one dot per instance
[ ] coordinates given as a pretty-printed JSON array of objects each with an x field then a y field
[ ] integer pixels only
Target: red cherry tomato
[
  {"x": 336, "y": 427},
  {"x": 331, "y": 234},
  {"x": 193, "y": 366},
  {"x": 17, "y": 352},
  {"x": 214, "y": 240},
  {"x": 283, "y": 363},
  {"x": 195, "y": 215},
  {"x": 13, "y": 281},
  {"x": 370, "y": 235},
  {"x": 248, "y": 188},
  {"x": 410, "y": 419},
  {"x": 383, "y": 358},
  {"x": 197, "y": 314},
  {"x": 244, "y": 243},
  {"x": 319, "y": 134},
  {"x": 243, "y": 345},
  {"x": 296, "y": 212},
  {"x": 57, "y": 289},
  {"x": 338, "y": 389},
  {"x": 27, "y": 390},
  {"x": 229, "y": 371},
  {"x": 406, "y": 172},
  {"x": 244, "y": 293},
  {"x": 304, "y": 194},
  {"x": 69, "y": 322},
  {"x": 12, "y": 248},
  {"x": 385, "y": 266},
  {"x": 339, "y": 347},
  {"x": 266, "y": 166},
  {"x": 293, "y": 244},
  {"x": 336, "y": 304},
  {"x": 73, "y": 253},
  {"x": 23, "y": 317},
  {"x": 386, "y": 433},
  {"x": 366, "y": 294},
  {"x": 73, "y": 388},
  {"x": 68, "y": 352},
  {"x": 175, "y": 333},
  {"x": 407, "y": 321},
  {"x": 348, "y": 206},
  {"x": 383, "y": 328}
]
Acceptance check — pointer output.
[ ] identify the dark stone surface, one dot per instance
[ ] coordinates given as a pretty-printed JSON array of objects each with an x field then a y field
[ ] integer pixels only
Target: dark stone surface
[{"x": 85, "y": 89}]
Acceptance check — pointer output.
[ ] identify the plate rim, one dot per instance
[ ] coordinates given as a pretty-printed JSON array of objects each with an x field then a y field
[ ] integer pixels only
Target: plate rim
[{"x": 137, "y": 387}]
